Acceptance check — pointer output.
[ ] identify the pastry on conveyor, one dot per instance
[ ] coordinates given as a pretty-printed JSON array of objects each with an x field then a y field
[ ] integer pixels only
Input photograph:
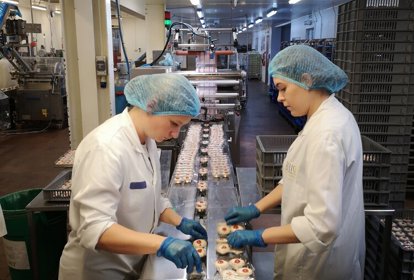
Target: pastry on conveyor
[
  {"x": 202, "y": 187},
  {"x": 236, "y": 263},
  {"x": 201, "y": 252},
  {"x": 200, "y": 243},
  {"x": 223, "y": 229},
  {"x": 233, "y": 228},
  {"x": 221, "y": 265},
  {"x": 223, "y": 249},
  {"x": 244, "y": 271},
  {"x": 221, "y": 240}
]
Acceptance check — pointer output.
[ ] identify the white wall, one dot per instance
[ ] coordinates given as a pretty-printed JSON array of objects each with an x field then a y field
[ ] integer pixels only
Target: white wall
[
  {"x": 134, "y": 36},
  {"x": 323, "y": 22},
  {"x": 51, "y": 28},
  {"x": 137, "y": 6}
]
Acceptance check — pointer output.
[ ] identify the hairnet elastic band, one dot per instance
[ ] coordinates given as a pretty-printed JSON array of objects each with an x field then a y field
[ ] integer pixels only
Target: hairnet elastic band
[
  {"x": 291, "y": 81},
  {"x": 171, "y": 113}
]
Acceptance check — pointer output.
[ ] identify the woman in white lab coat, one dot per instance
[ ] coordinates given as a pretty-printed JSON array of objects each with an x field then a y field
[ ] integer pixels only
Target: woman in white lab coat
[
  {"x": 321, "y": 235},
  {"x": 116, "y": 198}
]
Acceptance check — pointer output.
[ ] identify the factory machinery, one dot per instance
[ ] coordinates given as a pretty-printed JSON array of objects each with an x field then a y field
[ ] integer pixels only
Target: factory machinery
[
  {"x": 222, "y": 92},
  {"x": 203, "y": 184},
  {"x": 40, "y": 96}
]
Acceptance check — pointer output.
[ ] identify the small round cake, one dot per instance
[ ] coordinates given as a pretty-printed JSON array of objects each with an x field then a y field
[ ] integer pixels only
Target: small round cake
[
  {"x": 201, "y": 209},
  {"x": 236, "y": 263},
  {"x": 201, "y": 252},
  {"x": 204, "y": 151},
  {"x": 223, "y": 230},
  {"x": 234, "y": 228},
  {"x": 187, "y": 179},
  {"x": 204, "y": 160},
  {"x": 216, "y": 174},
  {"x": 221, "y": 265},
  {"x": 399, "y": 233},
  {"x": 244, "y": 271},
  {"x": 402, "y": 224},
  {"x": 221, "y": 240},
  {"x": 408, "y": 229},
  {"x": 202, "y": 187},
  {"x": 396, "y": 228},
  {"x": 199, "y": 243},
  {"x": 223, "y": 249}
]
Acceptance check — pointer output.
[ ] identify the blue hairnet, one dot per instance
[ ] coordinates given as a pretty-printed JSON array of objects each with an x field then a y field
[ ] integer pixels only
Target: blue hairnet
[
  {"x": 308, "y": 68},
  {"x": 163, "y": 94}
]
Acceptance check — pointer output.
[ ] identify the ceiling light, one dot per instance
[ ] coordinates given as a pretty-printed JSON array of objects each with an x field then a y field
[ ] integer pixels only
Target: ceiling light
[
  {"x": 244, "y": 28},
  {"x": 58, "y": 12},
  {"x": 41, "y": 8},
  {"x": 195, "y": 2},
  {"x": 292, "y": 2},
  {"x": 250, "y": 25},
  {"x": 202, "y": 20},
  {"x": 200, "y": 13},
  {"x": 271, "y": 12},
  {"x": 203, "y": 25},
  {"x": 259, "y": 20},
  {"x": 10, "y": 2}
]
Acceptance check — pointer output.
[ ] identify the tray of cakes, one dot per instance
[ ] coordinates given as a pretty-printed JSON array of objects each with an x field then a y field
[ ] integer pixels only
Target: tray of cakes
[
  {"x": 231, "y": 263},
  {"x": 60, "y": 188},
  {"x": 66, "y": 160}
]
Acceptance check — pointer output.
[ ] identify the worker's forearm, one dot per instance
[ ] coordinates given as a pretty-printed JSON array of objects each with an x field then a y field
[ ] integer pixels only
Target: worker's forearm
[
  {"x": 273, "y": 199},
  {"x": 280, "y": 235},
  {"x": 171, "y": 217},
  {"x": 121, "y": 240}
]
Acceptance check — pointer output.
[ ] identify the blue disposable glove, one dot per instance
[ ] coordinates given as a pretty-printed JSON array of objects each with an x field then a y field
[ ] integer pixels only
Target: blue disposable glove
[
  {"x": 241, "y": 238},
  {"x": 193, "y": 228},
  {"x": 181, "y": 253},
  {"x": 241, "y": 214}
]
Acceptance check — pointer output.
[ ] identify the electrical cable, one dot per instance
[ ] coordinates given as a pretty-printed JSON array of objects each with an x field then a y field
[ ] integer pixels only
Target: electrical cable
[
  {"x": 16, "y": 132},
  {"x": 118, "y": 12},
  {"x": 169, "y": 37}
]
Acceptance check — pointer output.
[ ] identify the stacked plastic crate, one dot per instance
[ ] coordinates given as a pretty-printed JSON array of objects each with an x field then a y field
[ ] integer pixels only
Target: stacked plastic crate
[
  {"x": 375, "y": 47},
  {"x": 400, "y": 263},
  {"x": 271, "y": 151},
  {"x": 254, "y": 68}
]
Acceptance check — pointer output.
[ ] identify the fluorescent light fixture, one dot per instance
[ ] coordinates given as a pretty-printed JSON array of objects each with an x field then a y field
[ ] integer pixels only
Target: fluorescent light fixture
[
  {"x": 195, "y": 2},
  {"x": 259, "y": 20},
  {"x": 292, "y": 2},
  {"x": 271, "y": 12},
  {"x": 40, "y": 8},
  {"x": 250, "y": 25},
  {"x": 58, "y": 12},
  {"x": 244, "y": 28},
  {"x": 200, "y": 13},
  {"x": 10, "y": 2}
]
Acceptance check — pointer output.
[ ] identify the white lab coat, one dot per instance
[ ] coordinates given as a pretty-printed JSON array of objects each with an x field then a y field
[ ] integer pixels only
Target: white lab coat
[
  {"x": 323, "y": 199},
  {"x": 115, "y": 179}
]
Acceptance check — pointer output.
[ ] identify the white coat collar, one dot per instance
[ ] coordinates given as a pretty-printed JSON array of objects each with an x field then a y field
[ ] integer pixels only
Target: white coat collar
[
  {"x": 324, "y": 105},
  {"x": 133, "y": 135}
]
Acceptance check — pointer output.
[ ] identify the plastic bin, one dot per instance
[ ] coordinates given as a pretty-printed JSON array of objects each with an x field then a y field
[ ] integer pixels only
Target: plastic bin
[{"x": 51, "y": 233}]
